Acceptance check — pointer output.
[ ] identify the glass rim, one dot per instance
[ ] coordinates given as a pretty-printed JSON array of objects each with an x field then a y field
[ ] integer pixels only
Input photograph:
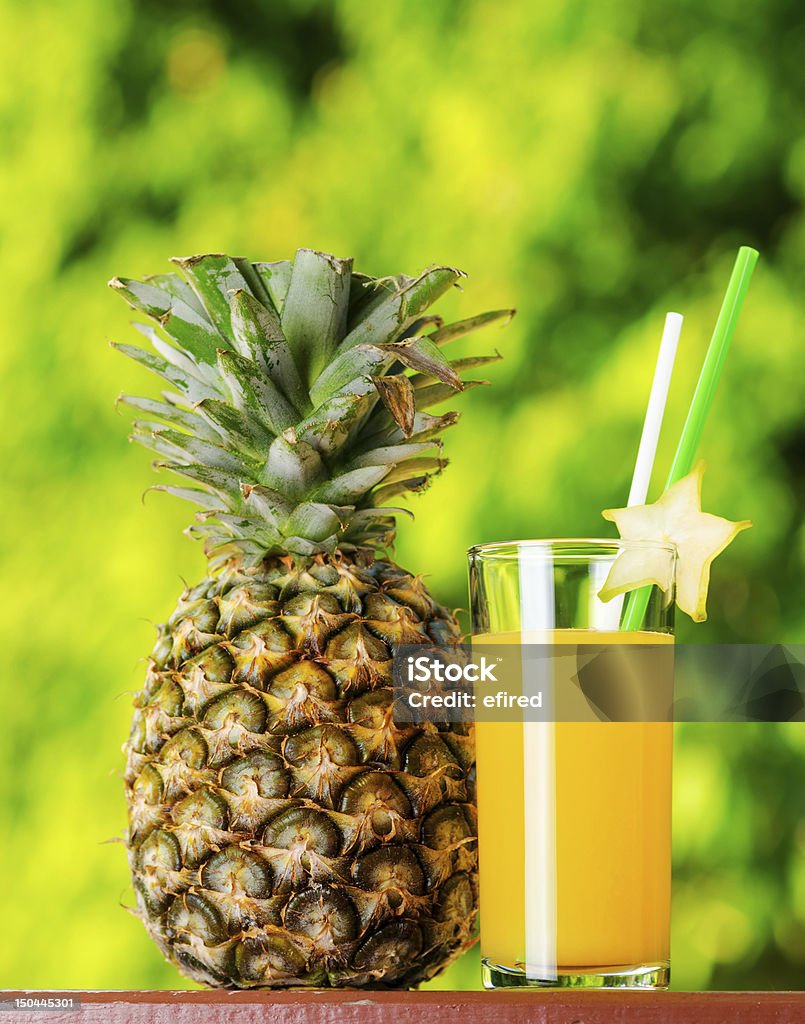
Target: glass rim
[{"x": 576, "y": 547}]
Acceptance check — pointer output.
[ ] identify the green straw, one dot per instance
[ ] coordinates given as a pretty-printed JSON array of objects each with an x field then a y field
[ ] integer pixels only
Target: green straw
[{"x": 702, "y": 400}]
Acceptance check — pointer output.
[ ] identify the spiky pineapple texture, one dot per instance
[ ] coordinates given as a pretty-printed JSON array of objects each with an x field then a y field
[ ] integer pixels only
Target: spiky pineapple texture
[{"x": 283, "y": 828}]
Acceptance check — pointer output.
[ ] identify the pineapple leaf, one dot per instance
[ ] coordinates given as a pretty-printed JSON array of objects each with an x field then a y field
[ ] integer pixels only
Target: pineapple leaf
[
  {"x": 473, "y": 323},
  {"x": 417, "y": 353},
  {"x": 149, "y": 435},
  {"x": 212, "y": 276},
  {"x": 254, "y": 281},
  {"x": 382, "y": 430},
  {"x": 472, "y": 361},
  {"x": 148, "y": 297},
  {"x": 355, "y": 363},
  {"x": 253, "y": 393},
  {"x": 258, "y": 337},
  {"x": 346, "y": 488},
  {"x": 175, "y": 286},
  {"x": 241, "y": 526},
  {"x": 379, "y": 534},
  {"x": 432, "y": 394},
  {"x": 193, "y": 334},
  {"x": 176, "y": 357},
  {"x": 420, "y": 380},
  {"x": 313, "y": 520},
  {"x": 184, "y": 446},
  {"x": 422, "y": 355},
  {"x": 230, "y": 423},
  {"x": 412, "y": 485},
  {"x": 219, "y": 480},
  {"x": 192, "y": 330},
  {"x": 314, "y": 317},
  {"x": 397, "y": 395},
  {"x": 269, "y": 505},
  {"x": 334, "y": 423},
  {"x": 419, "y": 325},
  {"x": 303, "y": 546},
  {"x": 276, "y": 279},
  {"x": 394, "y": 314},
  {"x": 394, "y": 453},
  {"x": 211, "y": 531},
  {"x": 414, "y": 466},
  {"x": 380, "y": 512},
  {"x": 368, "y": 292},
  {"x": 426, "y": 426},
  {"x": 293, "y": 467},
  {"x": 253, "y": 325},
  {"x": 173, "y": 414},
  {"x": 207, "y": 501},
  {"x": 192, "y": 389},
  {"x": 239, "y": 521}
]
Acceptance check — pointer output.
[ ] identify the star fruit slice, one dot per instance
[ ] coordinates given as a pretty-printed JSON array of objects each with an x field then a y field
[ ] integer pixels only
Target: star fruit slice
[{"x": 676, "y": 518}]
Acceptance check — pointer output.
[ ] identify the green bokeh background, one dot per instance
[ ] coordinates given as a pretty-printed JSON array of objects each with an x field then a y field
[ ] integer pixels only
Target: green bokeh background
[{"x": 593, "y": 164}]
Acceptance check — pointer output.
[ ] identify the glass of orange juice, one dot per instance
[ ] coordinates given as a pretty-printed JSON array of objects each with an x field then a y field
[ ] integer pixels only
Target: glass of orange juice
[{"x": 574, "y": 816}]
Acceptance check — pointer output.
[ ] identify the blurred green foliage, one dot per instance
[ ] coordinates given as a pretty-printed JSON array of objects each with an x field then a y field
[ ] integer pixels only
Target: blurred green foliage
[{"x": 593, "y": 164}]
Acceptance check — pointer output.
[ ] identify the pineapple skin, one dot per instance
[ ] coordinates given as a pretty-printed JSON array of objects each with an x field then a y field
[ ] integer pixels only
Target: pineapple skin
[{"x": 283, "y": 830}]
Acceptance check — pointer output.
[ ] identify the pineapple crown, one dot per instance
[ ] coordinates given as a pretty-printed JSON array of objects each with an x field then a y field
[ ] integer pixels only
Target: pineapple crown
[{"x": 297, "y": 396}]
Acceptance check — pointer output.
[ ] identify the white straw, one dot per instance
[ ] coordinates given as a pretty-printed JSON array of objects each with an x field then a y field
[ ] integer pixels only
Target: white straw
[
  {"x": 655, "y": 410},
  {"x": 607, "y": 616}
]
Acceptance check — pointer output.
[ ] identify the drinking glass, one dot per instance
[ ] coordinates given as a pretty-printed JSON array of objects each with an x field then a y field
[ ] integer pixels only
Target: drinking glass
[{"x": 574, "y": 816}]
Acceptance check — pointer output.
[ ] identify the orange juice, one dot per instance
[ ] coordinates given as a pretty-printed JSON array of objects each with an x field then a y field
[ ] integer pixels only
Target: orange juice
[{"x": 574, "y": 835}]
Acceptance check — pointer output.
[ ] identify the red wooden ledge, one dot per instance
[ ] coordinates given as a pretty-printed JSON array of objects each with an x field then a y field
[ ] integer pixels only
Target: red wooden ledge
[{"x": 355, "y": 1007}]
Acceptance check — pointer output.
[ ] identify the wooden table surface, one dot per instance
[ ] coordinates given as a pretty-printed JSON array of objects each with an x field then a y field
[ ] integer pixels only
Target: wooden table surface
[{"x": 353, "y": 1007}]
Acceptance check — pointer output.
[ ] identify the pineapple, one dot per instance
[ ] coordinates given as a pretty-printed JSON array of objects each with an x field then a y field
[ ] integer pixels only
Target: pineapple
[{"x": 284, "y": 830}]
